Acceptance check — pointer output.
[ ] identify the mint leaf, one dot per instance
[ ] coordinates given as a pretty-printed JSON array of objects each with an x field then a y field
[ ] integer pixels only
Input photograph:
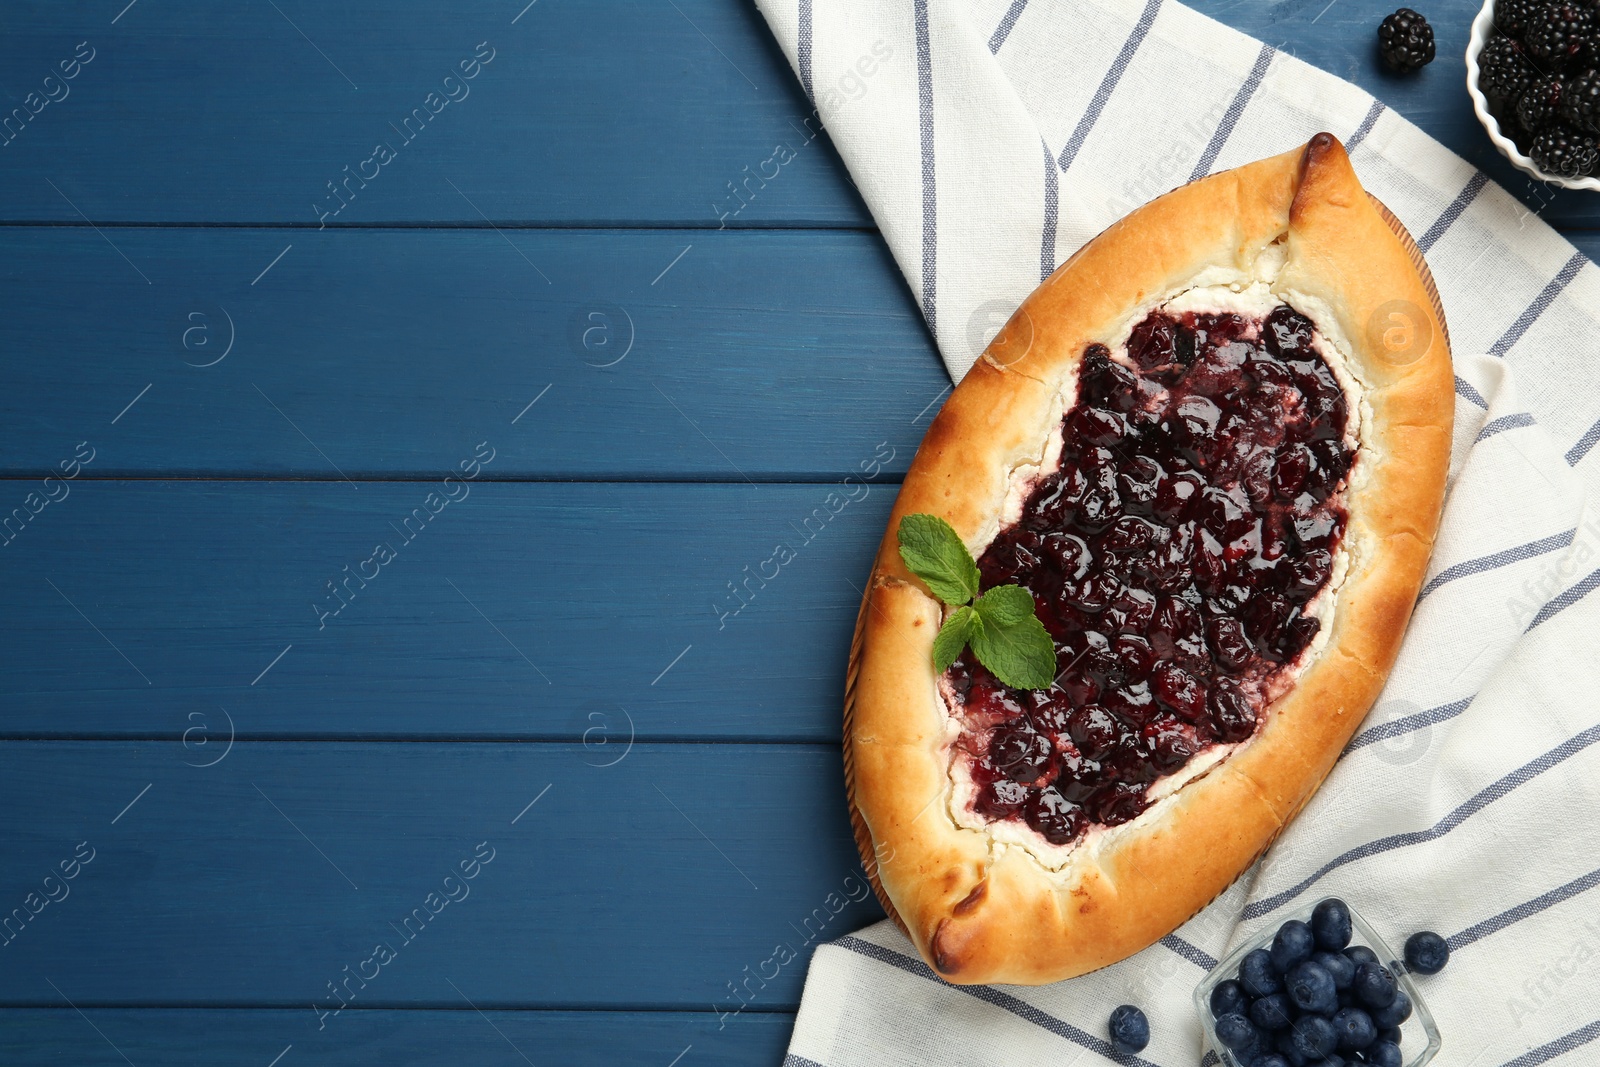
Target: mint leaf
[
  {"x": 1005, "y": 634},
  {"x": 953, "y": 637},
  {"x": 1005, "y": 605},
  {"x": 1019, "y": 651},
  {"x": 935, "y": 554}
]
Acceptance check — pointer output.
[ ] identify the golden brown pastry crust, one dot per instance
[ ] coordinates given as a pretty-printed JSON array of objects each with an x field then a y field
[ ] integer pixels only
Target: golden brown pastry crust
[{"x": 982, "y": 911}]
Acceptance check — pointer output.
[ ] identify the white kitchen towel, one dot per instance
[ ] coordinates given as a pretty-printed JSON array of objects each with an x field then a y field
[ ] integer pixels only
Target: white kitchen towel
[{"x": 990, "y": 138}]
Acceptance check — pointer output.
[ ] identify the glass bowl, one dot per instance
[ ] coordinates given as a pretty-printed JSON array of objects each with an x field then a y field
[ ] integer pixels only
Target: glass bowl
[{"x": 1419, "y": 1037}]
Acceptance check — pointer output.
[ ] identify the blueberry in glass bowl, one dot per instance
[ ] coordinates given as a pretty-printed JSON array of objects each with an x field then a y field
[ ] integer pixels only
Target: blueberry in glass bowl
[{"x": 1317, "y": 986}]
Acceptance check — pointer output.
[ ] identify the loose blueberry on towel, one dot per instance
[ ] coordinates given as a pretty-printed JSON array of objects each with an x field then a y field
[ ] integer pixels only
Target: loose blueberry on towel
[
  {"x": 1330, "y": 924},
  {"x": 1426, "y": 953},
  {"x": 1130, "y": 1030}
]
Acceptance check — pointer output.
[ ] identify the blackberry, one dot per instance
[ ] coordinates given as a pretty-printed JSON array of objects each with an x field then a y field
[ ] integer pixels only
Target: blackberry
[
  {"x": 1588, "y": 57},
  {"x": 1405, "y": 41},
  {"x": 1557, "y": 33},
  {"x": 1580, "y": 104},
  {"x": 1565, "y": 151},
  {"x": 1540, "y": 104},
  {"x": 1512, "y": 16},
  {"x": 1503, "y": 73}
]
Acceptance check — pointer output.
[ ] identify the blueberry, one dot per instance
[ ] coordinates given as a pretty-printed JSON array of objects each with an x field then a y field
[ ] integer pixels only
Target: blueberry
[
  {"x": 1311, "y": 989},
  {"x": 1333, "y": 1059},
  {"x": 1272, "y": 1012},
  {"x": 1256, "y": 974},
  {"x": 1228, "y": 997},
  {"x": 1286, "y": 1049},
  {"x": 1340, "y": 968},
  {"x": 1235, "y": 1031},
  {"x": 1246, "y": 1056},
  {"x": 1130, "y": 1030},
  {"x": 1390, "y": 1034},
  {"x": 1426, "y": 953},
  {"x": 1252, "y": 1053},
  {"x": 1355, "y": 1028},
  {"x": 1374, "y": 985},
  {"x": 1314, "y": 1037},
  {"x": 1385, "y": 1054},
  {"x": 1393, "y": 1013},
  {"x": 1360, "y": 954},
  {"x": 1271, "y": 1059},
  {"x": 1330, "y": 924},
  {"x": 1292, "y": 945}
]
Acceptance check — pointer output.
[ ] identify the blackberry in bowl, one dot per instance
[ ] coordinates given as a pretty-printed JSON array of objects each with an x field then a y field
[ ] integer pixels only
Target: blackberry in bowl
[
  {"x": 1533, "y": 72},
  {"x": 1318, "y": 983}
]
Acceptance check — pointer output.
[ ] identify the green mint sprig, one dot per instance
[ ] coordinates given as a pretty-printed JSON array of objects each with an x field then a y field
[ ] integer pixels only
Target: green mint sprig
[{"x": 1000, "y": 625}]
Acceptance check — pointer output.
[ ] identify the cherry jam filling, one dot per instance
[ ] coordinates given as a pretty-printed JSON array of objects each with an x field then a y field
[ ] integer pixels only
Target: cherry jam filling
[{"x": 1172, "y": 554}]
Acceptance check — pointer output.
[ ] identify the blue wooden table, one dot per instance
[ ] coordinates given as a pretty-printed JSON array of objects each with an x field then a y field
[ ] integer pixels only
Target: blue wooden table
[{"x": 394, "y": 667}]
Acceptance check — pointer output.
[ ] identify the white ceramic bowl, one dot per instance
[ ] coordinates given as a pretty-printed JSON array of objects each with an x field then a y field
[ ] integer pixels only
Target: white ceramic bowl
[{"x": 1482, "y": 32}]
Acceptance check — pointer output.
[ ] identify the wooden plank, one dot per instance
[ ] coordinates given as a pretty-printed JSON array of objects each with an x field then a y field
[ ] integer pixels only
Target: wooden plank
[
  {"x": 589, "y": 112},
  {"x": 521, "y": 610},
  {"x": 224, "y": 1037},
  {"x": 373, "y": 353},
  {"x": 665, "y": 881},
  {"x": 596, "y": 111},
  {"x": 369, "y": 353}
]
